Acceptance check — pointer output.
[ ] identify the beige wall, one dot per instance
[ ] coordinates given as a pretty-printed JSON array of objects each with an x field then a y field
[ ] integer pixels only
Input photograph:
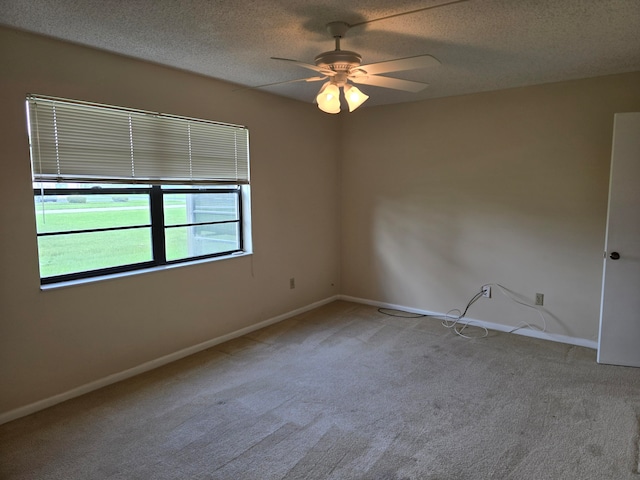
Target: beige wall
[
  {"x": 54, "y": 341},
  {"x": 442, "y": 196}
]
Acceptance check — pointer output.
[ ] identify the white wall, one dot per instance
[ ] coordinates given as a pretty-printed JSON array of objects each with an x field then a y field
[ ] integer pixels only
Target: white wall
[
  {"x": 54, "y": 341},
  {"x": 442, "y": 196}
]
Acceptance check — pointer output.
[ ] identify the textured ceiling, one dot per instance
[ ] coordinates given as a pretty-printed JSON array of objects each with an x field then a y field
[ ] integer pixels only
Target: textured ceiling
[{"x": 482, "y": 44}]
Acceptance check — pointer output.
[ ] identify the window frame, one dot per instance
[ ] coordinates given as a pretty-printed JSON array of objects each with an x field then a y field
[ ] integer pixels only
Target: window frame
[{"x": 156, "y": 194}]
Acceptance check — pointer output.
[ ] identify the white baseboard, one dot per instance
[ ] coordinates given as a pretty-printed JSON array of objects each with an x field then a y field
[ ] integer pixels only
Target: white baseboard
[
  {"x": 554, "y": 337},
  {"x": 147, "y": 366}
]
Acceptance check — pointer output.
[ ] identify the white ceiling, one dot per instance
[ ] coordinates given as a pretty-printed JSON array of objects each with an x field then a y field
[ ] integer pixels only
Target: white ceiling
[{"x": 482, "y": 44}]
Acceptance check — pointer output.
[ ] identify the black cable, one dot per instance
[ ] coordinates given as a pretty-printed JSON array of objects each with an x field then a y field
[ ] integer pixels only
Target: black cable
[
  {"x": 454, "y": 321},
  {"x": 447, "y": 320},
  {"x": 450, "y": 321},
  {"x": 471, "y": 302},
  {"x": 386, "y": 311}
]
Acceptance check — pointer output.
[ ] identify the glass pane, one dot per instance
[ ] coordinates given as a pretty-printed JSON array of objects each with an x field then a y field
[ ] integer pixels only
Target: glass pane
[
  {"x": 79, "y": 252},
  {"x": 181, "y": 208},
  {"x": 63, "y": 213},
  {"x": 185, "y": 242}
]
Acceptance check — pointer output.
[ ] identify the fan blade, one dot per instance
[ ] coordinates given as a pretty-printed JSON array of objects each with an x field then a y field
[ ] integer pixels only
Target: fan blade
[
  {"x": 387, "y": 82},
  {"x": 310, "y": 79},
  {"x": 400, "y": 64},
  {"x": 324, "y": 71}
]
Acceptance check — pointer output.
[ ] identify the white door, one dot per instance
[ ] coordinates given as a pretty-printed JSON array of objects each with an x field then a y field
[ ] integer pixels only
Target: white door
[{"x": 619, "y": 341}]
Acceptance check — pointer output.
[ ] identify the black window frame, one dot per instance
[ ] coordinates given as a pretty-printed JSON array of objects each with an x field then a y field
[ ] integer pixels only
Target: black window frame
[{"x": 157, "y": 225}]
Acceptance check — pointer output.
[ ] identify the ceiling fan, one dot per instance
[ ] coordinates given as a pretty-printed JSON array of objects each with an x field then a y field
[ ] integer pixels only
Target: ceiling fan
[{"x": 339, "y": 67}]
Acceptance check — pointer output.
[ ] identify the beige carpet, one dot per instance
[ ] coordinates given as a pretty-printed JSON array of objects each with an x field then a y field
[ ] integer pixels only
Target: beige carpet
[{"x": 344, "y": 392}]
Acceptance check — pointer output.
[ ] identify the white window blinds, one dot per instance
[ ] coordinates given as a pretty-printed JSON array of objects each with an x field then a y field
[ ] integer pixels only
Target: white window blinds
[{"x": 74, "y": 141}]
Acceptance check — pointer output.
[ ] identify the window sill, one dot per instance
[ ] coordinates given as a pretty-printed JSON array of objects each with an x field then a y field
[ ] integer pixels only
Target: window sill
[{"x": 114, "y": 276}]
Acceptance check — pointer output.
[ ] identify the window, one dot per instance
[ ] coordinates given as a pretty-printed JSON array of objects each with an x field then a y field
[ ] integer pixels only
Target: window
[{"x": 118, "y": 190}]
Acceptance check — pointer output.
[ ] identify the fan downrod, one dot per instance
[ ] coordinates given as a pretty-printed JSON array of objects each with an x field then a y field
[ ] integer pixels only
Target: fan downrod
[{"x": 338, "y": 60}]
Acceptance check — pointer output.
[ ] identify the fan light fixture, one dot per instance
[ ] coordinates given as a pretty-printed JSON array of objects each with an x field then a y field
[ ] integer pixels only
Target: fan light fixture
[
  {"x": 354, "y": 96},
  {"x": 328, "y": 97},
  {"x": 339, "y": 67}
]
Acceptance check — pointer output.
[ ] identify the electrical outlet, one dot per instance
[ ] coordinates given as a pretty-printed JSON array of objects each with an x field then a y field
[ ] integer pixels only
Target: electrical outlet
[
  {"x": 486, "y": 291},
  {"x": 539, "y": 298},
  {"x": 292, "y": 283}
]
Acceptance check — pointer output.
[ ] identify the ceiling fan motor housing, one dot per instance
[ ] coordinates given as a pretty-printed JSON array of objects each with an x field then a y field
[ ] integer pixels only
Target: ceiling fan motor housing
[{"x": 339, "y": 60}]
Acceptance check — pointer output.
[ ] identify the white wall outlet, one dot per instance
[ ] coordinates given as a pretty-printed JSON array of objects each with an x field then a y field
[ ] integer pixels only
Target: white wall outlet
[
  {"x": 486, "y": 291},
  {"x": 539, "y": 298}
]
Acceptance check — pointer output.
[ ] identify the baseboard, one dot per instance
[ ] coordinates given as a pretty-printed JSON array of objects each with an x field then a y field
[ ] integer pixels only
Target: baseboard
[
  {"x": 554, "y": 337},
  {"x": 150, "y": 365}
]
